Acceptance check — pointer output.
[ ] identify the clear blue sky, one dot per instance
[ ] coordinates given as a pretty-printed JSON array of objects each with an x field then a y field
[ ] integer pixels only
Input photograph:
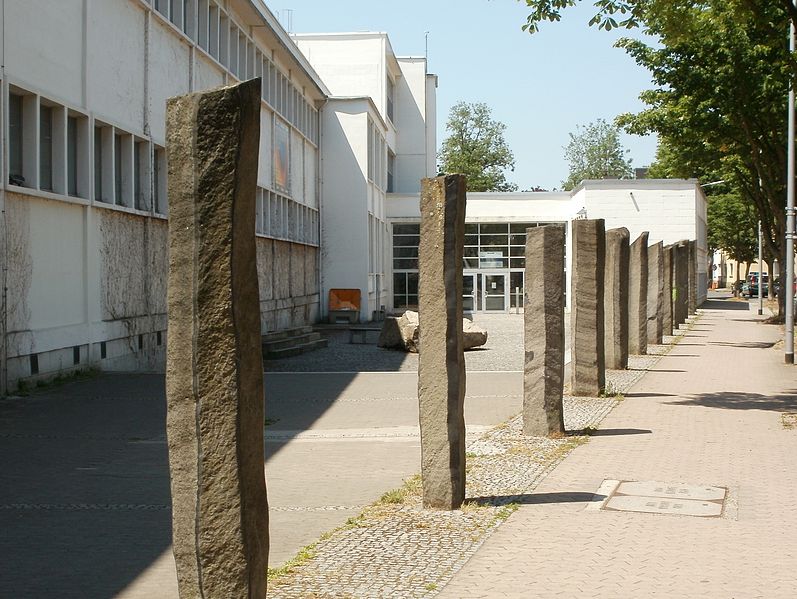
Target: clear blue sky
[{"x": 540, "y": 86}]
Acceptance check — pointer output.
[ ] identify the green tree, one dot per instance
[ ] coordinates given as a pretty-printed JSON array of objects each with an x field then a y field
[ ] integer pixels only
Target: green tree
[
  {"x": 595, "y": 152},
  {"x": 721, "y": 71},
  {"x": 732, "y": 227},
  {"x": 476, "y": 148}
]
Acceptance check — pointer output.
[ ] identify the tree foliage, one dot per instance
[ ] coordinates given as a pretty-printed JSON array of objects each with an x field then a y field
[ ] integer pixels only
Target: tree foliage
[
  {"x": 721, "y": 70},
  {"x": 732, "y": 227},
  {"x": 595, "y": 152},
  {"x": 476, "y": 148}
]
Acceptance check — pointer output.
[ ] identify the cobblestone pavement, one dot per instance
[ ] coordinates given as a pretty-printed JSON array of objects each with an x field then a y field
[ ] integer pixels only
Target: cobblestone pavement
[
  {"x": 708, "y": 413},
  {"x": 503, "y": 351},
  {"x": 401, "y": 550}
]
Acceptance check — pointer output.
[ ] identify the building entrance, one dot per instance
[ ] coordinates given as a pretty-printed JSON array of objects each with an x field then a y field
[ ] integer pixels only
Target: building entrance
[{"x": 485, "y": 292}]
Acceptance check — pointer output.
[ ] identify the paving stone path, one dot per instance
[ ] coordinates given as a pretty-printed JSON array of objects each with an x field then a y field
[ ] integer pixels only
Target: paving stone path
[
  {"x": 710, "y": 413},
  {"x": 400, "y": 550}
]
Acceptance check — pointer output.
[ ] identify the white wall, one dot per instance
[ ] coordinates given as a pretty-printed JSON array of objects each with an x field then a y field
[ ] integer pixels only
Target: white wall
[
  {"x": 83, "y": 274},
  {"x": 411, "y": 126},
  {"x": 344, "y": 210},
  {"x": 671, "y": 210},
  {"x": 349, "y": 64}
]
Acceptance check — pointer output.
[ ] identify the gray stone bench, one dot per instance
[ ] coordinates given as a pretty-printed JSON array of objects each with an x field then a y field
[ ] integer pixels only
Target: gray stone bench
[{"x": 359, "y": 335}]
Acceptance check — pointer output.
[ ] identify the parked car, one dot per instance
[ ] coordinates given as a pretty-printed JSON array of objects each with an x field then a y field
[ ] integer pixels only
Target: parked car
[
  {"x": 752, "y": 284},
  {"x": 776, "y": 287}
]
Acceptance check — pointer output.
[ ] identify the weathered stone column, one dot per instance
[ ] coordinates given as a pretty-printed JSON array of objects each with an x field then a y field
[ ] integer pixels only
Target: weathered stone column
[
  {"x": 669, "y": 289},
  {"x": 214, "y": 370},
  {"x": 441, "y": 360},
  {"x": 681, "y": 284},
  {"x": 587, "y": 309},
  {"x": 544, "y": 333},
  {"x": 638, "y": 296},
  {"x": 616, "y": 299},
  {"x": 692, "y": 301},
  {"x": 655, "y": 293}
]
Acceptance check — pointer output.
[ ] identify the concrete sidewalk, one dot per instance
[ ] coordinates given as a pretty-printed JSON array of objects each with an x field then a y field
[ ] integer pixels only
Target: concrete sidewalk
[
  {"x": 710, "y": 413},
  {"x": 84, "y": 484}
]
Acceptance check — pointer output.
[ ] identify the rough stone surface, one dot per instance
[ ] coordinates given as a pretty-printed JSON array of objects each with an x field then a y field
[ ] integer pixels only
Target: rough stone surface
[
  {"x": 638, "y": 295},
  {"x": 544, "y": 331},
  {"x": 667, "y": 291},
  {"x": 655, "y": 297},
  {"x": 390, "y": 335},
  {"x": 680, "y": 293},
  {"x": 616, "y": 299},
  {"x": 214, "y": 380},
  {"x": 692, "y": 270},
  {"x": 587, "y": 324},
  {"x": 408, "y": 329},
  {"x": 441, "y": 359},
  {"x": 403, "y": 333},
  {"x": 472, "y": 335}
]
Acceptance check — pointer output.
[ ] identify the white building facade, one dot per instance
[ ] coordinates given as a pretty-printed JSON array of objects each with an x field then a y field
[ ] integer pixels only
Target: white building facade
[
  {"x": 84, "y": 89},
  {"x": 378, "y": 130},
  {"x": 495, "y": 233}
]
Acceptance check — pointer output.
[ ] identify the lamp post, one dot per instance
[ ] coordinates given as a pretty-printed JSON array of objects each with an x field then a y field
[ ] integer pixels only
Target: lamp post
[
  {"x": 760, "y": 273},
  {"x": 787, "y": 282}
]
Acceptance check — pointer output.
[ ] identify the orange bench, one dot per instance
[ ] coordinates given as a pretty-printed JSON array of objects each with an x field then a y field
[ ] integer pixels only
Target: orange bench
[{"x": 344, "y": 305}]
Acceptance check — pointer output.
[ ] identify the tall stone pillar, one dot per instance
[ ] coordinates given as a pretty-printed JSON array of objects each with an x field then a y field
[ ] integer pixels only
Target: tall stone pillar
[
  {"x": 692, "y": 301},
  {"x": 681, "y": 284},
  {"x": 638, "y": 296},
  {"x": 441, "y": 360},
  {"x": 214, "y": 369},
  {"x": 587, "y": 307},
  {"x": 616, "y": 299},
  {"x": 668, "y": 290},
  {"x": 655, "y": 293},
  {"x": 544, "y": 333}
]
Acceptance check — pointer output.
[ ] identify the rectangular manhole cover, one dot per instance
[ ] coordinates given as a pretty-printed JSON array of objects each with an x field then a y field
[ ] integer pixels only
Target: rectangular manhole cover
[
  {"x": 653, "y": 497},
  {"x": 671, "y": 491}
]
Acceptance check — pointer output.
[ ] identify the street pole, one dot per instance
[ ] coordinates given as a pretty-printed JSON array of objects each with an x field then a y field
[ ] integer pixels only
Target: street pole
[
  {"x": 787, "y": 282},
  {"x": 760, "y": 273}
]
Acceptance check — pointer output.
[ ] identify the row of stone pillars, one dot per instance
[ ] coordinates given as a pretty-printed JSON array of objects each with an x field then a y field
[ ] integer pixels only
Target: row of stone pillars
[
  {"x": 647, "y": 292},
  {"x": 214, "y": 381}
]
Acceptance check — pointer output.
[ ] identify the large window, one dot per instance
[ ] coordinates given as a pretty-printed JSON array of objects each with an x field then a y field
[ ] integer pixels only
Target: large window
[
  {"x": 46, "y": 148},
  {"x": 15, "y": 151},
  {"x": 391, "y": 92}
]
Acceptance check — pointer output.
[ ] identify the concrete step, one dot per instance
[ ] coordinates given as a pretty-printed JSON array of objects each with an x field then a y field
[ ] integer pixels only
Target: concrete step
[
  {"x": 295, "y": 350},
  {"x": 300, "y": 339},
  {"x": 277, "y": 335}
]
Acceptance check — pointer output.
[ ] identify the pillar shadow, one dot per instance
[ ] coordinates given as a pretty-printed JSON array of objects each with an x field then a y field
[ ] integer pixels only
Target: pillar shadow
[
  {"x": 745, "y": 344},
  {"x": 737, "y": 400},
  {"x": 535, "y": 498},
  {"x": 724, "y": 304}
]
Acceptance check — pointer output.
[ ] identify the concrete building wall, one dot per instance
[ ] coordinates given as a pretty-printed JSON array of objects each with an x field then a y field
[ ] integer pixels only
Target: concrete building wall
[
  {"x": 671, "y": 209},
  {"x": 87, "y": 235},
  {"x": 344, "y": 232}
]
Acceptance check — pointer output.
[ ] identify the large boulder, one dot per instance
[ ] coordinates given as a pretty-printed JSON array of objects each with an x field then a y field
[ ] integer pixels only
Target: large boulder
[
  {"x": 402, "y": 333},
  {"x": 408, "y": 326},
  {"x": 472, "y": 334}
]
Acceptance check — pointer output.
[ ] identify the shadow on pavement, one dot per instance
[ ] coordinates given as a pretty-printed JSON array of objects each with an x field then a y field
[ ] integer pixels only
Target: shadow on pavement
[
  {"x": 627, "y": 395},
  {"x": 535, "y": 498},
  {"x": 85, "y": 503},
  {"x": 742, "y": 401},
  {"x": 724, "y": 304},
  {"x": 745, "y": 344},
  {"x": 616, "y": 432}
]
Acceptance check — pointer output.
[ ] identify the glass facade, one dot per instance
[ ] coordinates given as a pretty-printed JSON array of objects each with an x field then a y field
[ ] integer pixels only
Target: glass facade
[{"x": 493, "y": 265}]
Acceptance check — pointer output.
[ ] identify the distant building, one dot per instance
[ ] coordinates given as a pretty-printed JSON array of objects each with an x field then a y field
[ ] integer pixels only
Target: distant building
[
  {"x": 347, "y": 133},
  {"x": 495, "y": 236}
]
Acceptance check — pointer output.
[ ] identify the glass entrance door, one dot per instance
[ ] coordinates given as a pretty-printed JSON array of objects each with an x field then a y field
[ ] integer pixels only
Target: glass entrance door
[
  {"x": 495, "y": 292},
  {"x": 469, "y": 292}
]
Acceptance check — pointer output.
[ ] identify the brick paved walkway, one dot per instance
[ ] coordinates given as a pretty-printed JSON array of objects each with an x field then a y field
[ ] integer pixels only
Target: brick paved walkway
[{"x": 709, "y": 413}]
